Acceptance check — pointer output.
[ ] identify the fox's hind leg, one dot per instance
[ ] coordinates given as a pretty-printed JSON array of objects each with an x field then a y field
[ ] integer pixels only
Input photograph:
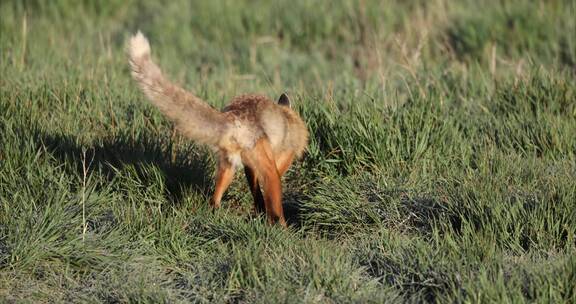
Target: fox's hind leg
[
  {"x": 224, "y": 177},
  {"x": 260, "y": 160},
  {"x": 283, "y": 162},
  {"x": 255, "y": 189}
]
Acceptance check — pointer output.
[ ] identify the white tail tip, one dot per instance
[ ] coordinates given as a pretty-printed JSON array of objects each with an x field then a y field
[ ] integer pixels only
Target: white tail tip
[{"x": 139, "y": 46}]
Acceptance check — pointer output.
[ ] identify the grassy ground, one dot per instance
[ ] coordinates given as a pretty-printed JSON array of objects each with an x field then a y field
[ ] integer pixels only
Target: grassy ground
[{"x": 441, "y": 166}]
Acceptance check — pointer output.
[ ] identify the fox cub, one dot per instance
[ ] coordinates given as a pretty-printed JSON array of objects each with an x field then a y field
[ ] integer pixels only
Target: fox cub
[{"x": 253, "y": 131}]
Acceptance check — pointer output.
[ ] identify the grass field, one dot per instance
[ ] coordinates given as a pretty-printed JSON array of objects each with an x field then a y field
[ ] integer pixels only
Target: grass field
[{"x": 441, "y": 165}]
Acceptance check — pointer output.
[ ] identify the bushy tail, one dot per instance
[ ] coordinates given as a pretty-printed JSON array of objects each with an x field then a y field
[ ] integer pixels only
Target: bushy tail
[{"x": 195, "y": 119}]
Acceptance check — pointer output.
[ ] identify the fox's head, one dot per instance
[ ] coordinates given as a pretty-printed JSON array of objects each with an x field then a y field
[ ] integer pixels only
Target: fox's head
[{"x": 284, "y": 100}]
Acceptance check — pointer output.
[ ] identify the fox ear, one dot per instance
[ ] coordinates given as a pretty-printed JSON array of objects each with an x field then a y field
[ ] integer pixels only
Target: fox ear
[{"x": 284, "y": 100}]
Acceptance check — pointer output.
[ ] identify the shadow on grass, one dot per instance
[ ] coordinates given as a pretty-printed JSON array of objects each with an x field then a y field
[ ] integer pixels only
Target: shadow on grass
[
  {"x": 185, "y": 168},
  {"x": 422, "y": 213},
  {"x": 292, "y": 209}
]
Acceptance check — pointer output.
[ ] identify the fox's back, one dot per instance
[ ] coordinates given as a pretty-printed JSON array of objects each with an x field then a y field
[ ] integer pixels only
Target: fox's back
[{"x": 252, "y": 117}]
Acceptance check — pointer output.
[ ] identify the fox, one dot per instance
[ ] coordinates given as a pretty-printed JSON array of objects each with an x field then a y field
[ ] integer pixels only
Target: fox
[{"x": 252, "y": 131}]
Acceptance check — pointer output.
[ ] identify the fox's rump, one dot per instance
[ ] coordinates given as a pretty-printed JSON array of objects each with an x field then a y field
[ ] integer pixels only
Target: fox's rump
[{"x": 256, "y": 116}]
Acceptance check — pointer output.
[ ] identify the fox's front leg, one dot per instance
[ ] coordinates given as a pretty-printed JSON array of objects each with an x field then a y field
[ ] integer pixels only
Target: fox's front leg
[
  {"x": 260, "y": 161},
  {"x": 224, "y": 176}
]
